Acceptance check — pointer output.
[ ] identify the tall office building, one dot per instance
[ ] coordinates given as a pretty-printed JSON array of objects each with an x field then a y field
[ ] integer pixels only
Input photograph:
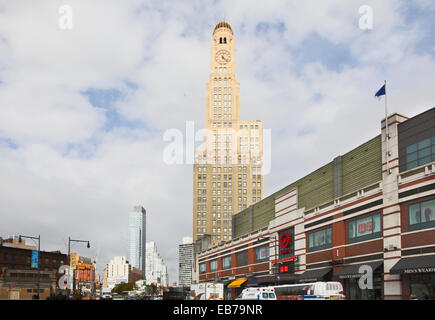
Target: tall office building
[
  {"x": 137, "y": 238},
  {"x": 185, "y": 262},
  {"x": 228, "y": 173}
]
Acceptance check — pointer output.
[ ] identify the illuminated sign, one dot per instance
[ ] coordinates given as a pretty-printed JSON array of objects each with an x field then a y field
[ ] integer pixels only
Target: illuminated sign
[
  {"x": 286, "y": 245},
  {"x": 283, "y": 269},
  {"x": 284, "y": 242},
  {"x": 288, "y": 259}
]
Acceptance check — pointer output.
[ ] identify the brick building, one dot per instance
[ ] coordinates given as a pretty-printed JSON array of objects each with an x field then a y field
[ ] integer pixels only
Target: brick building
[
  {"x": 372, "y": 207},
  {"x": 18, "y": 280}
]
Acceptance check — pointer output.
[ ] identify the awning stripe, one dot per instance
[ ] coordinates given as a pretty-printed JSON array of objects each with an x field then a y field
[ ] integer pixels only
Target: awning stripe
[{"x": 237, "y": 283}]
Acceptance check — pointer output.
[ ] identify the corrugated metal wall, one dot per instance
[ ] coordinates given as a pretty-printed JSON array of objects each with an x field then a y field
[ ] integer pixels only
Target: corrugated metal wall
[
  {"x": 357, "y": 169},
  {"x": 362, "y": 166}
]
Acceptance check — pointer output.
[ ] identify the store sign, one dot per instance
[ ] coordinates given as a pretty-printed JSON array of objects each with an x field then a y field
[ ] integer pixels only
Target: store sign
[
  {"x": 283, "y": 269},
  {"x": 350, "y": 276},
  {"x": 419, "y": 270},
  {"x": 288, "y": 259},
  {"x": 286, "y": 244},
  {"x": 365, "y": 227}
]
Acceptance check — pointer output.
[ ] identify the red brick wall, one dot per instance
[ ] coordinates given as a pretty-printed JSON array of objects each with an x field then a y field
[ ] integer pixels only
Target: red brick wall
[
  {"x": 241, "y": 271},
  {"x": 261, "y": 267},
  {"x": 251, "y": 255},
  {"x": 356, "y": 249},
  {"x": 325, "y": 255},
  {"x": 338, "y": 232},
  {"x": 420, "y": 238}
]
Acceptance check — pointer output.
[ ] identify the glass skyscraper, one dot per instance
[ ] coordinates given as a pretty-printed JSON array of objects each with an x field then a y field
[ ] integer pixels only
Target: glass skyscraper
[{"x": 137, "y": 238}]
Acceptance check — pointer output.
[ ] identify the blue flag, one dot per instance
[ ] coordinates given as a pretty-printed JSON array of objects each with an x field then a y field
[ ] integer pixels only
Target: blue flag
[{"x": 381, "y": 92}]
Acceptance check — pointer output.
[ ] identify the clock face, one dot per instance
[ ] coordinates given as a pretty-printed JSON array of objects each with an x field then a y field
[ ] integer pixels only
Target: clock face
[{"x": 223, "y": 56}]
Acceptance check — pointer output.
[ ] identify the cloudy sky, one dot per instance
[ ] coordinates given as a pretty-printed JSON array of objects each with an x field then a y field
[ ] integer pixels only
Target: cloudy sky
[{"x": 83, "y": 110}]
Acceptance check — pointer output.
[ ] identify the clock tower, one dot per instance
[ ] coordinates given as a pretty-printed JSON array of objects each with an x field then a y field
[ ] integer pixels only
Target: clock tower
[
  {"x": 222, "y": 68},
  {"x": 228, "y": 172}
]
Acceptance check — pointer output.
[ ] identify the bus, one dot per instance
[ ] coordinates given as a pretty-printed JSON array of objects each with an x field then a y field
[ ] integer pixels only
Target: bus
[{"x": 310, "y": 291}]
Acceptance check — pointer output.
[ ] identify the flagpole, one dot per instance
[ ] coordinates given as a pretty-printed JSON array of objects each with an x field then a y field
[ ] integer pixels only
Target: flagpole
[{"x": 386, "y": 129}]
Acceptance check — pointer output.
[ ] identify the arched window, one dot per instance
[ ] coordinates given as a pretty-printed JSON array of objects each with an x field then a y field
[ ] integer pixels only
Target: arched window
[
  {"x": 220, "y": 40},
  {"x": 225, "y": 40}
]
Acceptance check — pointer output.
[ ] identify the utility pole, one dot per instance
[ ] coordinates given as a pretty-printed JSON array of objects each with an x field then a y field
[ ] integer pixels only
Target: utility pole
[{"x": 69, "y": 257}]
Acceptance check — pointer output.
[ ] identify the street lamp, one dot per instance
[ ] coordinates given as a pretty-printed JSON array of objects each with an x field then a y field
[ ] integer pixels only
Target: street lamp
[
  {"x": 69, "y": 257},
  {"x": 39, "y": 262}
]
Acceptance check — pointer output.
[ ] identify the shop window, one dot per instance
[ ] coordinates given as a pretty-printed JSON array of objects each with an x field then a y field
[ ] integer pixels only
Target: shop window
[
  {"x": 320, "y": 240},
  {"x": 421, "y": 215},
  {"x": 356, "y": 293},
  {"x": 365, "y": 228},
  {"x": 420, "y": 153},
  {"x": 242, "y": 258},
  {"x": 226, "y": 262},
  {"x": 422, "y": 286},
  {"x": 202, "y": 268},
  {"x": 213, "y": 265}
]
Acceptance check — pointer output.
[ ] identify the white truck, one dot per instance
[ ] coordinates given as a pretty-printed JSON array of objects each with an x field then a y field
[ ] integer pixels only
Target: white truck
[
  {"x": 106, "y": 294},
  {"x": 207, "y": 291}
]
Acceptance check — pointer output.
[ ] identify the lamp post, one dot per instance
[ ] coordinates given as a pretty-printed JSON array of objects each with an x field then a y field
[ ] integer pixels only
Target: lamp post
[
  {"x": 69, "y": 256},
  {"x": 39, "y": 262}
]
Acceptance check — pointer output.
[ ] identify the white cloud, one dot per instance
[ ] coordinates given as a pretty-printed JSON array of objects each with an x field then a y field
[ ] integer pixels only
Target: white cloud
[{"x": 69, "y": 175}]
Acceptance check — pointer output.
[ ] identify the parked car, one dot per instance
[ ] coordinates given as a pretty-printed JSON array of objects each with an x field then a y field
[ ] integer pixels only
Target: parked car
[{"x": 106, "y": 296}]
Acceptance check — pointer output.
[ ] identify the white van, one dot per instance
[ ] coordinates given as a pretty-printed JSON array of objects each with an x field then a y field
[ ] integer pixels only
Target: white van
[{"x": 261, "y": 293}]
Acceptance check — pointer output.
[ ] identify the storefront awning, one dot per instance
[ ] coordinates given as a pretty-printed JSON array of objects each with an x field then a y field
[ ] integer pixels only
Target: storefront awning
[
  {"x": 237, "y": 283},
  {"x": 252, "y": 282},
  {"x": 421, "y": 264},
  {"x": 352, "y": 271},
  {"x": 314, "y": 275}
]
